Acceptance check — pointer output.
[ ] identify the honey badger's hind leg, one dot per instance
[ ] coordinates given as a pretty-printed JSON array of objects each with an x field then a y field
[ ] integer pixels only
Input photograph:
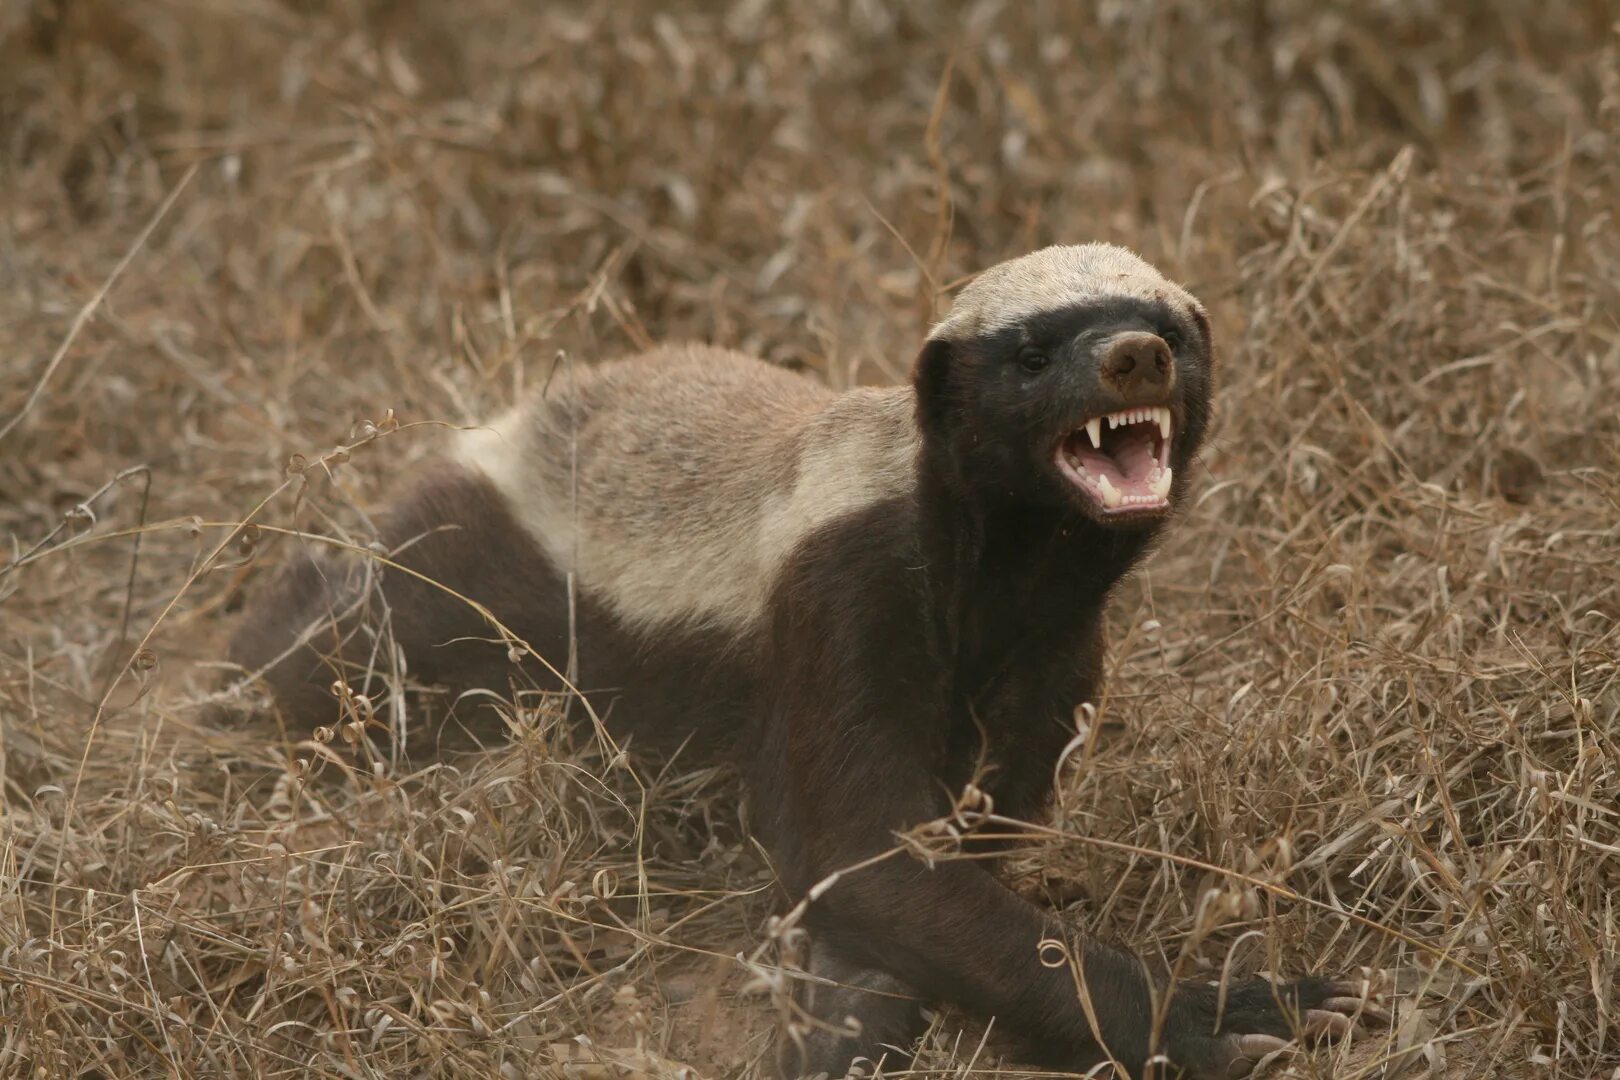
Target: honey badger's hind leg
[
  {"x": 860, "y": 1015},
  {"x": 291, "y": 635},
  {"x": 331, "y": 614}
]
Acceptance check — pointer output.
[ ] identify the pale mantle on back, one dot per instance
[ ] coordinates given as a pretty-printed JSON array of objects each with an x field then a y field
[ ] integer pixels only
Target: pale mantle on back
[{"x": 674, "y": 488}]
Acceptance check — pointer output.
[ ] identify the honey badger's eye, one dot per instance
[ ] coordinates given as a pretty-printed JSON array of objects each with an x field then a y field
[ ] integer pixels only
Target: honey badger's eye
[
  {"x": 1033, "y": 362},
  {"x": 1172, "y": 338}
]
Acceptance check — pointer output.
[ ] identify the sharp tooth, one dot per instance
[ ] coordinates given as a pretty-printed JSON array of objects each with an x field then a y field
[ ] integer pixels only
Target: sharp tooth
[
  {"x": 1110, "y": 497},
  {"x": 1161, "y": 483},
  {"x": 1163, "y": 418},
  {"x": 1113, "y": 421},
  {"x": 1094, "y": 431}
]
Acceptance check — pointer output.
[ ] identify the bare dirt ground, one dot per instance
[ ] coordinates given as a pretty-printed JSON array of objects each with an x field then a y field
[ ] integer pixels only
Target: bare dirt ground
[{"x": 1372, "y": 673}]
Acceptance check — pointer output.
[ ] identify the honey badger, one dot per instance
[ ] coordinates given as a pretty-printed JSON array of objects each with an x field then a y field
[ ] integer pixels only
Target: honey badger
[{"x": 865, "y": 600}]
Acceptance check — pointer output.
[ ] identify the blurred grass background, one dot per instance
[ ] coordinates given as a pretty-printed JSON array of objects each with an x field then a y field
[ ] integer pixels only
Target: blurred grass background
[{"x": 1375, "y": 664}]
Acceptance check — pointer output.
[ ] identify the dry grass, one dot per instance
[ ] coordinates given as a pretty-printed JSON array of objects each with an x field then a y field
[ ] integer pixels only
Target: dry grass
[{"x": 1376, "y": 665}]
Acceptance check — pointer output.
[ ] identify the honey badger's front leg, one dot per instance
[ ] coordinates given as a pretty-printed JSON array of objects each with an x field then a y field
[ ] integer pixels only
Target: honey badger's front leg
[
  {"x": 862, "y": 736},
  {"x": 898, "y": 933}
]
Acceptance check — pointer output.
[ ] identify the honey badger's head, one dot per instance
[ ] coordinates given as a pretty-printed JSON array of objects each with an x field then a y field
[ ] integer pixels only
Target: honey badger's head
[{"x": 1074, "y": 377}]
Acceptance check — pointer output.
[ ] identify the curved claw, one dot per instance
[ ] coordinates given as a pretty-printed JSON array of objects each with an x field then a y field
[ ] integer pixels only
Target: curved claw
[
  {"x": 1359, "y": 998},
  {"x": 1356, "y": 988},
  {"x": 1358, "y": 1008},
  {"x": 1255, "y": 1047},
  {"x": 1321, "y": 1022},
  {"x": 1251, "y": 1050}
]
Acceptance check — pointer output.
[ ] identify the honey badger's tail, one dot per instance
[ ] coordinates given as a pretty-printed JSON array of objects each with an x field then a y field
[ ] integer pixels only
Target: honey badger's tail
[{"x": 335, "y": 615}]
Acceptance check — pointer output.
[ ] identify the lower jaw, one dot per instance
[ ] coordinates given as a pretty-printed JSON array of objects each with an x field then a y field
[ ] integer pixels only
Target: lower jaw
[
  {"x": 1129, "y": 505},
  {"x": 1090, "y": 505},
  {"x": 1131, "y": 512},
  {"x": 1125, "y": 509}
]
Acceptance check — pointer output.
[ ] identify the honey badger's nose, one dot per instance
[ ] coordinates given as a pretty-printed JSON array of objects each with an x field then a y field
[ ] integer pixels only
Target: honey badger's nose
[{"x": 1137, "y": 360}]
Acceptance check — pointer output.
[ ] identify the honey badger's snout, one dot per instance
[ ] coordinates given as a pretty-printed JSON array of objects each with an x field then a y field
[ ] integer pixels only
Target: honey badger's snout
[{"x": 1137, "y": 364}]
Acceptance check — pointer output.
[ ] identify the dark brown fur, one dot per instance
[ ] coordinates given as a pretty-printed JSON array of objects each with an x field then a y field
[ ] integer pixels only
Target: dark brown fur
[{"x": 454, "y": 529}]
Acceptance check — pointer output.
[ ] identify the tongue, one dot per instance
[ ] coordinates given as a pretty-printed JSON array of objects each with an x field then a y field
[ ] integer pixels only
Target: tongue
[{"x": 1127, "y": 463}]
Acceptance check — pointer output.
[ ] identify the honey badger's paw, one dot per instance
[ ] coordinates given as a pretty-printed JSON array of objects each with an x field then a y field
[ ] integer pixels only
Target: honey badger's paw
[{"x": 1259, "y": 1018}]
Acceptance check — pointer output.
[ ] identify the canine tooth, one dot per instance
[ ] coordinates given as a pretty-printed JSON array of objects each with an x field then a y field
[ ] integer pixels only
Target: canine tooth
[
  {"x": 1163, "y": 417},
  {"x": 1161, "y": 483},
  {"x": 1094, "y": 431},
  {"x": 1110, "y": 497}
]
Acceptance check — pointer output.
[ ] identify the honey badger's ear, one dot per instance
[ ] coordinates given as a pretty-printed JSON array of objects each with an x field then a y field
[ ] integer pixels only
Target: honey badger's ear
[
  {"x": 931, "y": 378},
  {"x": 1201, "y": 317}
]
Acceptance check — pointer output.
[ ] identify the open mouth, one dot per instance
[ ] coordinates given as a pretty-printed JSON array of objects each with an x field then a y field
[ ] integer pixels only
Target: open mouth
[{"x": 1121, "y": 460}]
